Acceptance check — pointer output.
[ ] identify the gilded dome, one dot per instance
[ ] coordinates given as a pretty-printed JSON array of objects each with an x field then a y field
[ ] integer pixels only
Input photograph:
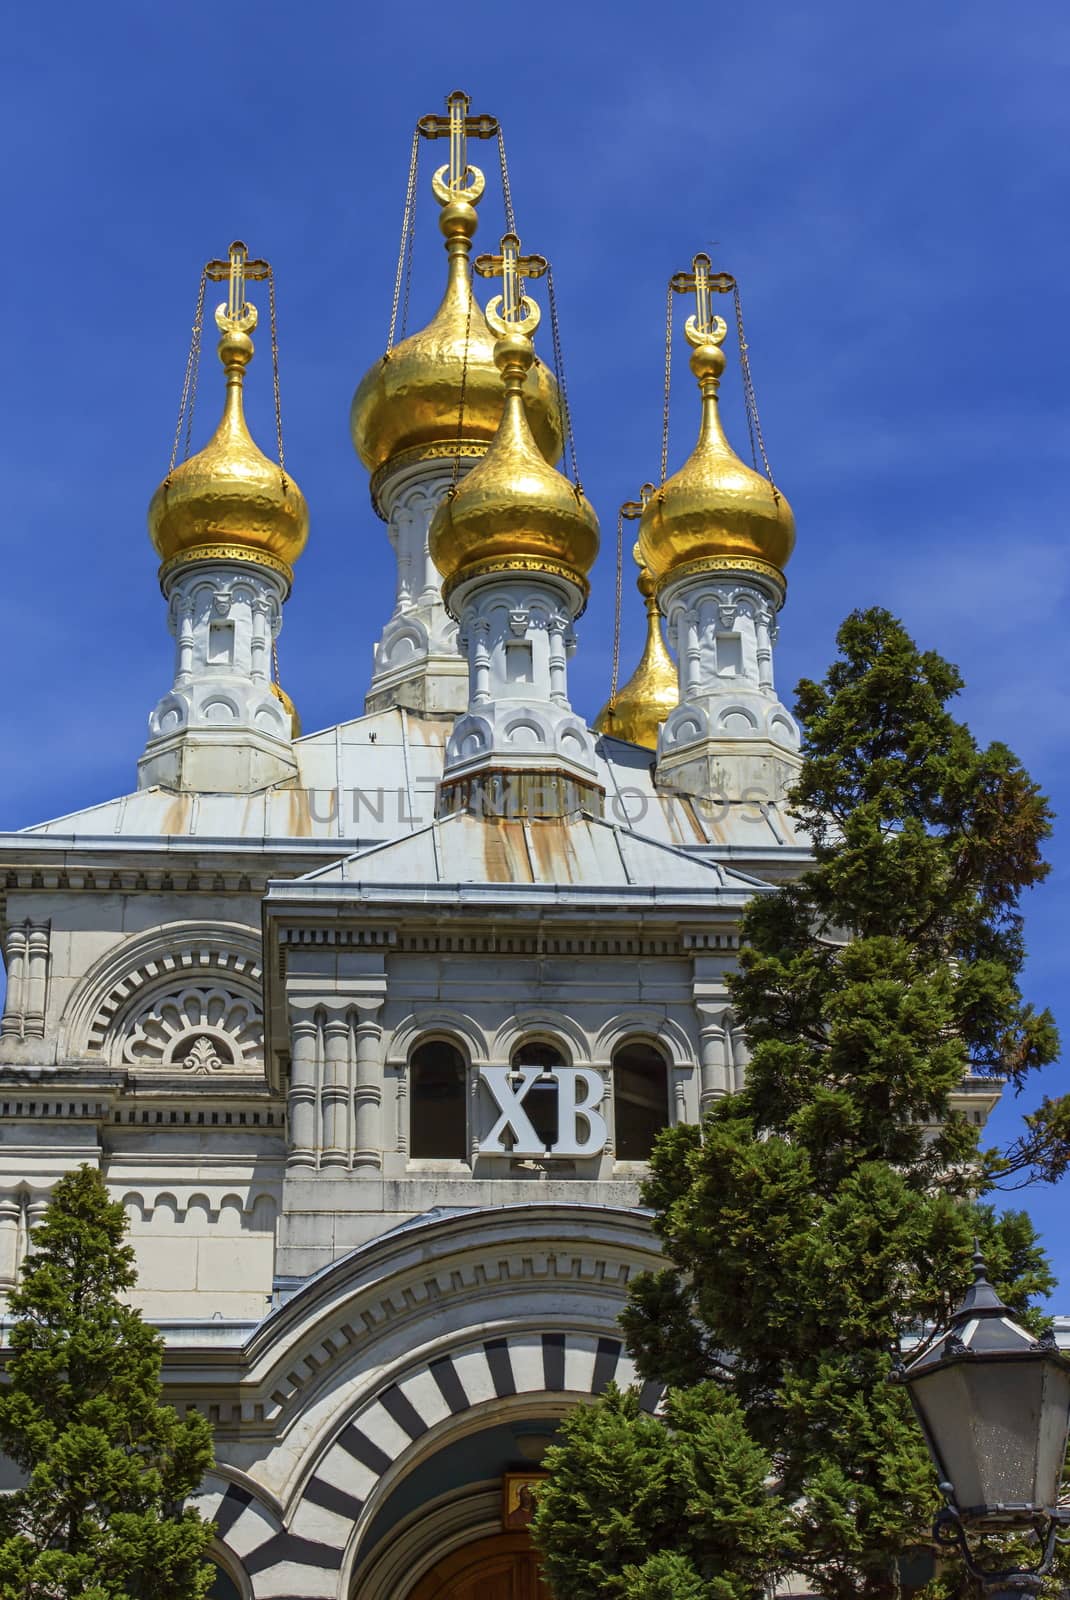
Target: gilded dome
[
  {"x": 411, "y": 399},
  {"x": 636, "y": 712},
  {"x": 229, "y": 500},
  {"x": 716, "y": 512},
  {"x": 514, "y": 511}
]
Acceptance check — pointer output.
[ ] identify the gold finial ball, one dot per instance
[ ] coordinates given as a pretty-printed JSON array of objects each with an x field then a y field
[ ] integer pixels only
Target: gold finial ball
[
  {"x": 513, "y": 353},
  {"x": 459, "y": 220},
  {"x": 707, "y": 361},
  {"x": 645, "y": 581},
  {"x": 236, "y": 349}
]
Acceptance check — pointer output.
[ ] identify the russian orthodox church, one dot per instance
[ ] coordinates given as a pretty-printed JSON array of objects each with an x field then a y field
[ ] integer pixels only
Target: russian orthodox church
[{"x": 371, "y": 1030}]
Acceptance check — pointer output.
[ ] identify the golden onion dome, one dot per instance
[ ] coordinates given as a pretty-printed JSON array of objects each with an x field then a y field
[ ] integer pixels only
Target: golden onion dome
[
  {"x": 716, "y": 513},
  {"x": 636, "y": 712},
  {"x": 409, "y": 404},
  {"x": 513, "y": 511},
  {"x": 229, "y": 501}
]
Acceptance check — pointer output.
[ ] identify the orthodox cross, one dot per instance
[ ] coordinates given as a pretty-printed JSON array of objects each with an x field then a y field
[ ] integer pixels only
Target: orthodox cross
[
  {"x": 703, "y": 328},
  {"x": 237, "y": 270},
  {"x": 456, "y": 126},
  {"x": 633, "y": 509},
  {"x": 517, "y": 311}
]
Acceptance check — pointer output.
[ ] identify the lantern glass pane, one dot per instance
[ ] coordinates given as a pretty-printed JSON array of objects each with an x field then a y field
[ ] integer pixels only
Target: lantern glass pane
[
  {"x": 984, "y": 1420},
  {"x": 1055, "y": 1425}
]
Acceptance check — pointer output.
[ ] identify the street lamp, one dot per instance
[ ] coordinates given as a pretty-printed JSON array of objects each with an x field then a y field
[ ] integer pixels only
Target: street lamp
[{"x": 994, "y": 1406}]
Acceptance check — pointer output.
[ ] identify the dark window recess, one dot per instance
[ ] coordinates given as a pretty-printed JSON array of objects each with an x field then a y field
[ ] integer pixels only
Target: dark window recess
[
  {"x": 223, "y": 1586},
  {"x": 540, "y": 1102},
  {"x": 640, "y": 1100},
  {"x": 438, "y": 1098}
]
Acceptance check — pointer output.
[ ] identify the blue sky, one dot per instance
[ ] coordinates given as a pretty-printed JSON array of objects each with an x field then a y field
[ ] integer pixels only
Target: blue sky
[{"x": 888, "y": 183}]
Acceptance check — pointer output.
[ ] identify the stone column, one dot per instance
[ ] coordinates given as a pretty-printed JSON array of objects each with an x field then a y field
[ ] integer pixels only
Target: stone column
[
  {"x": 14, "y": 1005},
  {"x": 10, "y": 1222},
  {"x": 36, "y": 984},
  {"x": 368, "y": 1092},
  {"x": 715, "y": 1070},
  {"x": 301, "y": 1105},
  {"x": 334, "y": 1098}
]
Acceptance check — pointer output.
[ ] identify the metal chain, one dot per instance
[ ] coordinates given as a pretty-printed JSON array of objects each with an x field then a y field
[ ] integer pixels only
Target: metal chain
[
  {"x": 668, "y": 383},
  {"x": 564, "y": 411},
  {"x": 460, "y": 406},
  {"x": 406, "y": 228},
  {"x": 411, "y": 250},
  {"x": 275, "y": 372},
  {"x": 507, "y": 193},
  {"x": 275, "y": 662},
  {"x": 616, "y": 614},
  {"x": 189, "y": 383},
  {"x": 507, "y": 196},
  {"x": 754, "y": 426}
]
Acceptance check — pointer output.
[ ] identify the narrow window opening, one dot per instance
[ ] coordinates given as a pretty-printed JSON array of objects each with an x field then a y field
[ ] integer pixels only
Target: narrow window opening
[
  {"x": 220, "y": 644},
  {"x": 640, "y": 1100},
  {"x": 438, "y": 1124},
  {"x": 518, "y": 664},
  {"x": 729, "y": 655}
]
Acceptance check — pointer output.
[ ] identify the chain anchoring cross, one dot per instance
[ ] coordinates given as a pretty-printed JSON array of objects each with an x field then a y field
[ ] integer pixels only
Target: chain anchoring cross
[
  {"x": 703, "y": 327},
  {"x": 237, "y": 271},
  {"x": 458, "y": 126},
  {"x": 512, "y": 308}
]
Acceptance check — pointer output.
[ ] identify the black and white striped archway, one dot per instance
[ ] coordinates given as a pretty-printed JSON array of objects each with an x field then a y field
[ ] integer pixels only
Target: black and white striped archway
[{"x": 310, "y": 1554}]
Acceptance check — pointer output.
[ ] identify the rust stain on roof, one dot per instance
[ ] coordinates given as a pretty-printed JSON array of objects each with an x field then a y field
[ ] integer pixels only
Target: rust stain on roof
[
  {"x": 176, "y": 817},
  {"x": 551, "y": 840},
  {"x": 300, "y": 823},
  {"x": 505, "y": 856}
]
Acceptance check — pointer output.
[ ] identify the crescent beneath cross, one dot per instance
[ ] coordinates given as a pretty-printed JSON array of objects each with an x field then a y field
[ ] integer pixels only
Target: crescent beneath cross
[
  {"x": 244, "y": 322},
  {"x": 714, "y": 334},
  {"x": 532, "y": 317},
  {"x": 471, "y": 192}
]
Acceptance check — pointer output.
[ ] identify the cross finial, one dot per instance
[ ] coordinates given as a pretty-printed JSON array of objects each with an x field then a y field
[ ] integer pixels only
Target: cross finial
[
  {"x": 512, "y": 309},
  {"x": 236, "y": 313},
  {"x": 450, "y": 181},
  {"x": 703, "y": 327}
]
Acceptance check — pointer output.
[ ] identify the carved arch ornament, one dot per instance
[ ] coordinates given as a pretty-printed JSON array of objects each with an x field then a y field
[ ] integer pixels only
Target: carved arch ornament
[
  {"x": 186, "y": 997},
  {"x": 362, "y": 1439}
]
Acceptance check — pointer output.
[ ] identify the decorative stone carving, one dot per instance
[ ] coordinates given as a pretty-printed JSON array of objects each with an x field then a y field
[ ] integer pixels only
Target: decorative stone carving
[
  {"x": 28, "y": 950},
  {"x": 198, "y": 1029}
]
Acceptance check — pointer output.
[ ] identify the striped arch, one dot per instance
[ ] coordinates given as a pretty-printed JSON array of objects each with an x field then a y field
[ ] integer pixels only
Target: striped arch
[{"x": 306, "y": 1557}]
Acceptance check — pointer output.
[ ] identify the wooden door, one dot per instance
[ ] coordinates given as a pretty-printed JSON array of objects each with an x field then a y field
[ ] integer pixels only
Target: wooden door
[{"x": 503, "y": 1567}]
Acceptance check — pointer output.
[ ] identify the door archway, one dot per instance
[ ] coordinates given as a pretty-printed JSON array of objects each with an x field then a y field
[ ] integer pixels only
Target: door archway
[{"x": 503, "y": 1566}]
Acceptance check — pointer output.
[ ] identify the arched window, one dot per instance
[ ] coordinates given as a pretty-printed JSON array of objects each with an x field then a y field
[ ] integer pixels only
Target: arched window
[
  {"x": 540, "y": 1102},
  {"x": 640, "y": 1099},
  {"x": 439, "y": 1123}
]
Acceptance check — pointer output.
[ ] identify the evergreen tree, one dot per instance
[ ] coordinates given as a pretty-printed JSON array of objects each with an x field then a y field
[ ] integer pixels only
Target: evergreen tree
[
  {"x": 825, "y": 1213},
  {"x": 643, "y": 1509},
  {"x": 107, "y": 1465}
]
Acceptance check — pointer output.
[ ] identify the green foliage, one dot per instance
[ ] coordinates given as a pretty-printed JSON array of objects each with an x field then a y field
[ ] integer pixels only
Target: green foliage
[
  {"x": 107, "y": 1465},
  {"x": 826, "y": 1212},
  {"x": 644, "y": 1509}
]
